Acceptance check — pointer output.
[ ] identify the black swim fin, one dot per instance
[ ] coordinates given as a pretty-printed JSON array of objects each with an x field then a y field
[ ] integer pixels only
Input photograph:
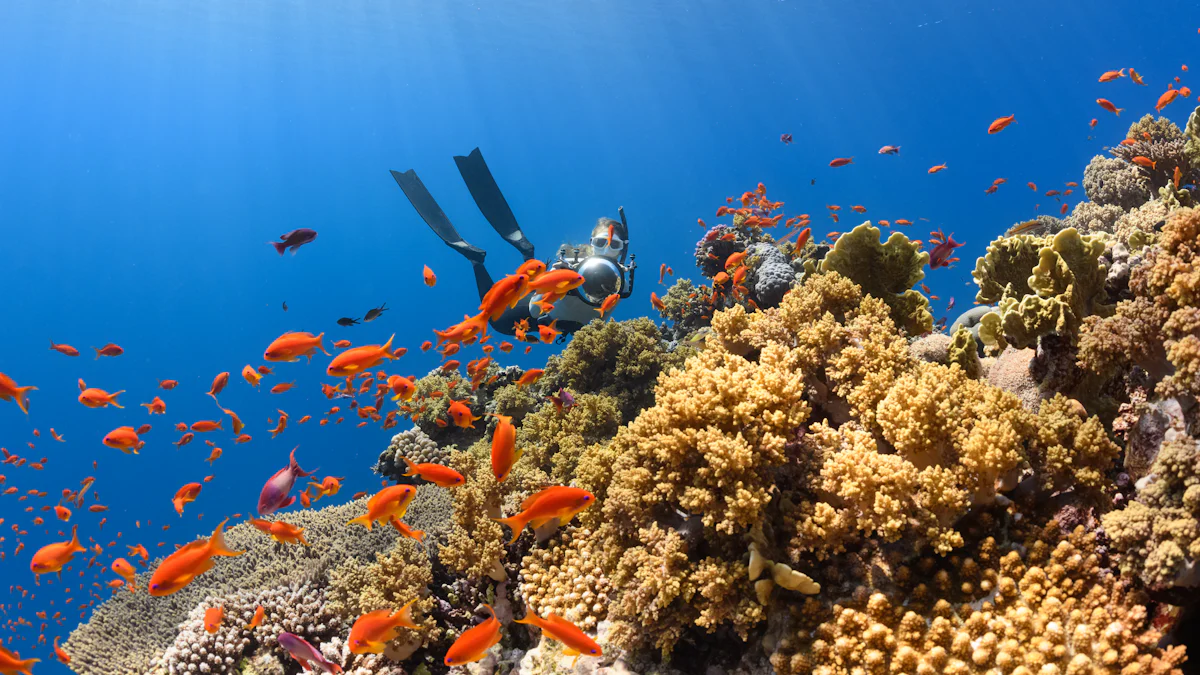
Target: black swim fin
[
  {"x": 434, "y": 217},
  {"x": 491, "y": 202}
]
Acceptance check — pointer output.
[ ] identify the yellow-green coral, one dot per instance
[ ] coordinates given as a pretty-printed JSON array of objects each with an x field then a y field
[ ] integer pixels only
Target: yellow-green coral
[
  {"x": 887, "y": 270},
  {"x": 1072, "y": 450},
  {"x": 476, "y": 543},
  {"x": 965, "y": 352},
  {"x": 397, "y": 577}
]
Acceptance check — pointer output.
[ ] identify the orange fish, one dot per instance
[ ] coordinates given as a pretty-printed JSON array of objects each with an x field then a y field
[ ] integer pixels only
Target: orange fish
[
  {"x": 575, "y": 642},
  {"x": 559, "y": 502},
  {"x": 264, "y": 370},
  {"x": 358, "y": 359},
  {"x": 11, "y": 663},
  {"x": 441, "y": 476},
  {"x": 156, "y": 407},
  {"x": 1107, "y": 105},
  {"x": 63, "y": 513},
  {"x": 124, "y": 439},
  {"x": 1174, "y": 179},
  {"x": 186, "y": 495},
  {"x": 473, "y": 644},
  {"x": 390, "y": 502},
  {"x": 1137, "y": 79},
  {"x": 98, "y": 398},
  {"x": 1185, "y": 92},
  {"x": 185, "y": 564},
  {"x": 236, "y": 421},
  {"x": 1112, "y": 75},
  {"x": 53, "y": 557},
  {"x": 841, "y": 161},
  {"x": 372, "y": 631},
  {"x": 64, "y": 349},
  {"x": 167, "y": 385},
  {"x": 407, "y": 531},
  {"x": 935, "y": 169},
  {"x": 402, "y": 388},
  {"x": 530, "y": 376},
  {"x": 607, "y": 305},
  {"x": 214, "y": 456},
  {"x": 503, "y": 295},
  {"x": 259, "y": 613},
  {"x": 109, "y": 350},
  {"x": 1144, "y": 162},
  {"x": 1166, "y": 99},
  {"x": 342, "y": 344},
  {"x": 856, "y": 209},
  {"x": 547, "y": 333},
  {"x": 657, "y": 302},
  {"x": 282, "y": 387},
  {"x": 555, "y": 284},
  {"x": 430, "y": 277},
  {"x": 213, "y": 616},
  {"x": 504, "y": 454},
  {"x": 122, "y": 567},
  {"x": 461, "y": 415},
  {"x": 184, "y": 440},
  {"x": 328, "y": 487},
  {"x": 291, "y": 346},
  {"x": 9, "y": 391},
  {"x": 144, "y": 429},
  {"x": 60, "y": 653},
  {"x": 218, "y": 384},
  {"x": 250, "y": 375},
  {"x": 280, "y": 531},
  {"x": 1000, "y": 122},
  {"x": 205, "y": 426}
]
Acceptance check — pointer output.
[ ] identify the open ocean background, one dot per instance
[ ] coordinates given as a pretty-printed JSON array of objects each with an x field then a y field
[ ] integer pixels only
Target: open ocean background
[{"x": 150, "y": 149}]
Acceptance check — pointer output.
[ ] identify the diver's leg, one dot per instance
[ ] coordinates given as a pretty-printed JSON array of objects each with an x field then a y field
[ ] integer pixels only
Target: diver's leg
[
  {"x": 491, "y": 201},
  {"x": 433, "y": 216}
]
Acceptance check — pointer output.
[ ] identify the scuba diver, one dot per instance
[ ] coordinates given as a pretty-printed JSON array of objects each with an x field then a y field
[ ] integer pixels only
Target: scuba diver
[{"x": 601, "y": 261}]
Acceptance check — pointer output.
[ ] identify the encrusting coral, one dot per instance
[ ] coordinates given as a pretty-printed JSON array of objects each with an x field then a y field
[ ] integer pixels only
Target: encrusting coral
[{"x": 565, "y": 577}]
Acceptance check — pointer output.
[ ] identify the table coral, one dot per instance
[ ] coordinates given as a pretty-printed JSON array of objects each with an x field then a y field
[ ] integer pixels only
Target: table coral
[
  {"x": 1158, "y": 533},
  {"x": 887, "y": 270}
]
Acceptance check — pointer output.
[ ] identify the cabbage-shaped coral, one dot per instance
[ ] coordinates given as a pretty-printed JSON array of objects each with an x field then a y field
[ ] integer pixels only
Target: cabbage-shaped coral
[
  {"x": 1108, "y": 180},
  {"x": 887, "y": 270},
  {"x": 964, "y": 351},
  {"x": 771, "y": 274},
  {"x": 414, "y": 444}
]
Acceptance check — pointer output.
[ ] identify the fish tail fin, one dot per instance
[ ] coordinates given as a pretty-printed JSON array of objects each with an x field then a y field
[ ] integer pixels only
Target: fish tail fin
[
  {"x": 412, "y": 468},
  {"x": 280, "y": 246},
  {"x": 403, "y": 616},
  {"x": 1118, "y": 111},
  {"x": 26, "y": 666},
  {"x": 517, "y": 523},
  {"x": 97, "y": 353},
  {"x": 112, "y": 398},
  {"x": 531, "y": 618},
  {"x": 364, "y": 520},
  {"x": 22, "y": 398},
  {"x": 387, "y": 348},
  {"x": 217, "y": 546},
  {"x": 490, "y": 610},
  {"x": 75, "y": 545},
  {"x": 320, "y": 344}
]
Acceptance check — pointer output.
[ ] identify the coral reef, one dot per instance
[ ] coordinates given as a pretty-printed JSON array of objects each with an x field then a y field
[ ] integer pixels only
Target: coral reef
[
  {"x": 1111, "y": 181},
  {"x": 886, "y": 270},
  {"x": 1091, "y": 217},
  {"x": 684, "y": 309},
  {"x": 397, "y": 577},
  {"x": 620, "y": 359},
  {"x": 414, "y": 444},
  {"x": 565, "y": 577},
  {"x": 964, "y": 351},
  {"x": 771, "y": 274}
]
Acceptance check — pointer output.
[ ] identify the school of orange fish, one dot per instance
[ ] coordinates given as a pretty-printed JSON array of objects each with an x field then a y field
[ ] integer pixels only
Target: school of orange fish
[{"x": 354, "y": 365}]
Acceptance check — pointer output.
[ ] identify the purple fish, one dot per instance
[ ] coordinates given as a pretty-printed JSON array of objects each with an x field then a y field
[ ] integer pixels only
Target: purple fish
[
  {"x": 274, "y": 494},
  {"x": 306, "y": 654},
  {"x": 563, "y": 400},
  {"x": 293, "y": 240}
]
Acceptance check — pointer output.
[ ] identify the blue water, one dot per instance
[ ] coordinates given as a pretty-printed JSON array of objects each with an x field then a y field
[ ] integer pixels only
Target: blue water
[{"x": 152, "y": 148}]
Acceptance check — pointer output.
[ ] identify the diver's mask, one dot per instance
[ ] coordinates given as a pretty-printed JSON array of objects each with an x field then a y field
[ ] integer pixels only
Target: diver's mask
[{"x": 604, "y": 271}]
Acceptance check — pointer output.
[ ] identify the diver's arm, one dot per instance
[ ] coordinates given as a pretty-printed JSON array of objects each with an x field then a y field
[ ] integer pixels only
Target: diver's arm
[{"x": 628, "y": 290}]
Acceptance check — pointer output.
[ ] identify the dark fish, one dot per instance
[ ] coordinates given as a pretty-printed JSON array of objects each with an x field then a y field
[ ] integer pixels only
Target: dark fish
[
  {"x": 293, "y": 240},
  {"x": 786, "y": 139},
  {"x": 285, "y": 305},
  {"x": 812, "y": 182},
  {"x": 563, "y": 400},
  {"x": 374, "y": 313},
  {"x": 347, "y": 321}
]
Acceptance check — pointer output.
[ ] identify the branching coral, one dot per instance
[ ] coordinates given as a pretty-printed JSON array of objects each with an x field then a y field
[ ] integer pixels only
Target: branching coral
[
  {"x": 887, "y": 270},
  {"x": 475, "y": 544},
  {"x": 1163, "y": 320},
  {"x": 556, "y": 440},
  {"x": 1112, "y": 181},
  {"x": 394, "y": 579},
  {"x": 1051, "y": 609},
  {"x": 1141, "y": 225},
  {"x": 964, "y": 351},
  {"x": 1071, "y": 450},
  {"x": 1158, "y": 533},
  {"x": 621, "y": 359}
]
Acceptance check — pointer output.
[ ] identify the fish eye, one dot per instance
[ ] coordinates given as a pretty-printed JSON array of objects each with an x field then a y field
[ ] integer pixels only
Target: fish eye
[{"x": 595, "y": 651}]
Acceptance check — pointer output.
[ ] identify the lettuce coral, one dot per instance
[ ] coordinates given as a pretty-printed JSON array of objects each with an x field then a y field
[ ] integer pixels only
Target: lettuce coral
[{"x": 887, "y": 270}]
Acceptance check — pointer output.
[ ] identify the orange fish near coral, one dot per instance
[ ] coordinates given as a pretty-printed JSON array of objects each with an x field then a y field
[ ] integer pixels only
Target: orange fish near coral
[
  {"x": 98, "y": 398},
  {"x": 284, "y": 533},
  {"x": 504, "y": 454},
  {"x": 441, "y": 476},
  {"x": 1000, "y": 122},
  {"x": 418, "y": 535},
  {"x": 530, "y": 376},
  {"x": 53, "y": 557},
  {"x": 1144, "y": 162},
  {"x": 473, "y": 644},
  {"x": 575, "y": 642},
  {"x": 189, "y": 562},
  {"x": 358, "y": 359},
  {"x": 559, "y": 502},
  {"x": 1108, "y": 105},
  {"x": 122, "y": 567},
  {"x": 213, "y": 616},
  {"x": 257, "y": 619},
  {"x": 291, "y": 346},
  {"x": 461, "y": 415},
  {"x": 402, "y": 388},
  {"x": 1166, "y": 99},
  {"x": 371, "y": 632},
  {"x": 9, "y": 391},
  {"x": 11, "y": 663},
  {"x": 390, "y": 502}
]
